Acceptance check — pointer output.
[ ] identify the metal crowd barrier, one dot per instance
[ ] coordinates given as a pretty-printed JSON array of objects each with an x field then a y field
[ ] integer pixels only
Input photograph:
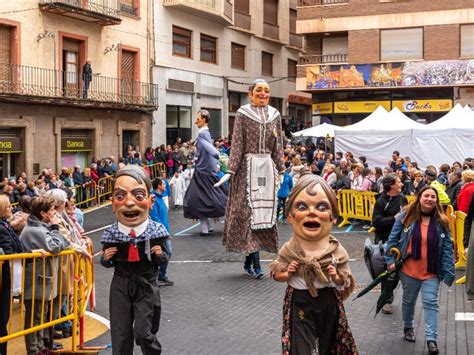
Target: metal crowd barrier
[
  {"x": 85, "y": 195},
  {"x": 72, "y": 278},
  {"x": 156, "y": 170},
  {"x": 355, "y": 204}
]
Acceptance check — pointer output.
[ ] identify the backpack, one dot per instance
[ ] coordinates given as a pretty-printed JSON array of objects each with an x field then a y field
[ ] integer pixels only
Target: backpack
[{"x": 373, "y": 187}]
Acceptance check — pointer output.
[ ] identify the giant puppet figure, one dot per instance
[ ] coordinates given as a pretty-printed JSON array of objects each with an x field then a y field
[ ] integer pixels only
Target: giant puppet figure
[
  {"x": 202, "y": 201},
  {"x": 132, "y": 245},
  {"x": 255, "y": 160}
]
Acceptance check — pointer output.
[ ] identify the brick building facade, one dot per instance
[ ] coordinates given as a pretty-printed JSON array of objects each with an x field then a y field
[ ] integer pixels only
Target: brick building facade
[{"x": 388, "y": 51}]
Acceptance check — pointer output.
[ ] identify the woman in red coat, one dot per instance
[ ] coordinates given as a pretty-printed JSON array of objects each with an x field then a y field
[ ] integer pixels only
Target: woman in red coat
[{"x": 464, "y": 197}]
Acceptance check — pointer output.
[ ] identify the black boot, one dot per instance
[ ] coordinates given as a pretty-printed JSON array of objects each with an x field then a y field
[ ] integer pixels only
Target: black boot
[
  {"x": 409, "y": 335},
  {"x": 432, "y": 347}
]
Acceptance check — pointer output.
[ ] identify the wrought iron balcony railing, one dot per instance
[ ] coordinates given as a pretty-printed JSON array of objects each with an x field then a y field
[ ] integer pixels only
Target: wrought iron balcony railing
[
  {"x": 321, "y": 2},
  {"x": 103, "y": 12},
  {"x": 49, "y": 83},
  {"x": 323, "y": 58}
]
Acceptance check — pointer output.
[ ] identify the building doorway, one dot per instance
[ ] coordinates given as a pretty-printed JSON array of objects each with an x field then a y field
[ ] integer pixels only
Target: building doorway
[
  {"x": 71, "y": 67},
  {"x": 129, "y": 138}
]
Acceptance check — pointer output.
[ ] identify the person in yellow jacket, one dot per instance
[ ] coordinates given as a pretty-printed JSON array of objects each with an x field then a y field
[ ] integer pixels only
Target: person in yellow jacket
[{"x": 439, "y": 187}]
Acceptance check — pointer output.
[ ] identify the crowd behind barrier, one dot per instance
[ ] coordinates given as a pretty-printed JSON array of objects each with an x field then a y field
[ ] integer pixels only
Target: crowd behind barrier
[{"x": 74, "y": 289}]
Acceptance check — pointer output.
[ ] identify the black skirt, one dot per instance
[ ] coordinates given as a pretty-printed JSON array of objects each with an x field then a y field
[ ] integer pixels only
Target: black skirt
[
  {"x": 202, "y": 199},
  {"x": 315, "y": 325}
]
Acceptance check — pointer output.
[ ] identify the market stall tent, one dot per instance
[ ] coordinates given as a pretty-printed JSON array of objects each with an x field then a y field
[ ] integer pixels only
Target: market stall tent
[
  {"x": 377, "y": 136},
  {"x": 321, "y": 130},
  {"x": 448, "y": 139}
]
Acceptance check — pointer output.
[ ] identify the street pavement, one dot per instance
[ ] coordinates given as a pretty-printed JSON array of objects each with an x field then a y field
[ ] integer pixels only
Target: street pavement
[{"x": 214, "y": 308}]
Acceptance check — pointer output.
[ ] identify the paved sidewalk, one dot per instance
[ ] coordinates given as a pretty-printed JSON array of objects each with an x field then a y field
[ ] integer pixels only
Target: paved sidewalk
[{"x": 214, "y": 308}]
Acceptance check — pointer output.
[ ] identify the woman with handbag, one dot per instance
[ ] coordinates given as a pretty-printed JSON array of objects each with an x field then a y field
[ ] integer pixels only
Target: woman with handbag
[{"x": 423, "y": 231}]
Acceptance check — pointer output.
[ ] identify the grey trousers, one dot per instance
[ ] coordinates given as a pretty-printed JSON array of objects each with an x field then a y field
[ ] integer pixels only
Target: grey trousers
[
  {"x": 34, "y": 341},
  {"x": 135, "y": 310}
]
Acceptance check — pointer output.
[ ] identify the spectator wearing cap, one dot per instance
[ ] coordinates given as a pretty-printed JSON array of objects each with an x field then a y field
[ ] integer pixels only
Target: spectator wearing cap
[
  {"x": 455, "y": 186},
  {"x": 431, "y": 180},
  {"x": 467, "y": 191}
]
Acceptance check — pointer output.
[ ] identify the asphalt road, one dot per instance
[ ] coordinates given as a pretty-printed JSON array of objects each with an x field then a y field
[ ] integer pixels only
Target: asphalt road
[{"x": 214, "y": 308}]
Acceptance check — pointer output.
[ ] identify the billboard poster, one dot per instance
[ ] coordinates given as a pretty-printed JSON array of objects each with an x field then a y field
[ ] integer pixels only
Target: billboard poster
[{"x": 406, "y": 74}]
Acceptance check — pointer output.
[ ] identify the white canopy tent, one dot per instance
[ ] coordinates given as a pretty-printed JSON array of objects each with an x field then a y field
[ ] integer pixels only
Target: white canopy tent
[
  {"x": 451, "y": 139},
  {"x": 448, "y": 139},
  {"x": 322, "y": 130},
  {"x": 377, "y": 136}
]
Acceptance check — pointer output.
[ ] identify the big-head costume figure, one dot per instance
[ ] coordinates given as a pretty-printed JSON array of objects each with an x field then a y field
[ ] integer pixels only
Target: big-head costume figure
[
  {"x": 132, "y": 245},
  {"x": 254, "y": 162}
]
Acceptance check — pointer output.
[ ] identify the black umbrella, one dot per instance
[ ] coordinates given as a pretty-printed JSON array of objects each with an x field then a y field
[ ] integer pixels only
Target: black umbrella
[{"x": 389, "y": 275}]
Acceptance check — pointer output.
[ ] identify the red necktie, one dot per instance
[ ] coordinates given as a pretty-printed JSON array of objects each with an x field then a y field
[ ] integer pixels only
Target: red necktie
[{"x": 133, "y": 254}]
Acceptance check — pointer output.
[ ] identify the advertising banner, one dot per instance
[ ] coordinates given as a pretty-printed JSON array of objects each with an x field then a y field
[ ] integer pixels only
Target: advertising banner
[
  {"x": 359, "y": 106},
  {"x": 406, "y": 74},
  {"x": 423, "y": 105},
  {"x": 322, "y": 108}
]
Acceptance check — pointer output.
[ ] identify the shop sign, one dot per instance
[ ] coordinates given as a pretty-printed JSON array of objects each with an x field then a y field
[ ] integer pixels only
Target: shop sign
[
  {"x": 300, "y": 99},
  {"x": 423, "y": 105},
  {"x": 401, "y": 74},
  {"x": 322, "y": 108},
  {"x": 70, "y": 144},
  {"x": 10, "y": 145},
  {"x": 359, "y": 106}
]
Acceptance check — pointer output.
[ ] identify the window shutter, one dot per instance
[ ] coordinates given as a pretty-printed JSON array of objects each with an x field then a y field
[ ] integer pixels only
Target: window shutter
[
  {"x": 242, "y": 6},
  {"x": 292, "y": 70},
  {"x": 292, "y": 21},
  {"x": 267, "y": 64},
  {"x": 238, "y": 56},
  {"x": 401, "y": 44},
  {"x": 467, "y": 41},
  {"x": 270, "y": 12},
  {"x": 214, "y": 122},
  {"x": 182, "y": 42}
]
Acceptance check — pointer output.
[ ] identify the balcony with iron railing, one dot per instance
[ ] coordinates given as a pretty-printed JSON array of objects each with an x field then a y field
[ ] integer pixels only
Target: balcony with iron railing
[
  {"x": 321, "y": 2},
  {"x": 323, "y": 59},
  {"x": 103, "y": 12},
  {"x": 216, "y": 10},
  {"x": 26, "y": 83}
]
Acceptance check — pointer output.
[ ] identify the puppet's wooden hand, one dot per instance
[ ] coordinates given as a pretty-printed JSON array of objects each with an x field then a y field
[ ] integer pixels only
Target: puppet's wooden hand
[
  {"x": 292, "y": 267},
  {"x": 156, "y": 250},
  {"x": 109, "y": 253}
]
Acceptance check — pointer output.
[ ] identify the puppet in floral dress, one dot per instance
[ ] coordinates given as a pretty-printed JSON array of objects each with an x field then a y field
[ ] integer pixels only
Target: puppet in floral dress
[{"x": 316, "y": 268}]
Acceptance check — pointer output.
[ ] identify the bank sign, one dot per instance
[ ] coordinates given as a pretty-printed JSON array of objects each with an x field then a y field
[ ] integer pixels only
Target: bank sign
[
  {"x": 406, "y": 74},
  {"x": 76, "y": 144}
]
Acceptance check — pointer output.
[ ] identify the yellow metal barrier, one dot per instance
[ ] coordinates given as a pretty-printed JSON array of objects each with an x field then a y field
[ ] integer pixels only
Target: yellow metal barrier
[
  {"x": 104, "y": 188},
  {"x": 460, "y": 217},
  {"x": 156, "y": 170},
  {"x": 355, "y": 204},
  {"x": 86, "y": 195},
  {"x": 72, "y": 278}
]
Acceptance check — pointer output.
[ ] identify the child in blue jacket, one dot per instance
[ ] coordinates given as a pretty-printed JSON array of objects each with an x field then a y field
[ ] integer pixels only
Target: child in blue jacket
[{"x": 283, "y": 193}]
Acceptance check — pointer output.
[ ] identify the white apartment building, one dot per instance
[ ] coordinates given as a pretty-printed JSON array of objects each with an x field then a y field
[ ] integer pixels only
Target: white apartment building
[{"x": 208, "y": 51}]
